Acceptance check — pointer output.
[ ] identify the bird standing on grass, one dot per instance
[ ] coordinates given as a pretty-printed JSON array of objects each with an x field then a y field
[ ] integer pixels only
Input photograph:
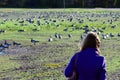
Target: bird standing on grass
[
  {"x": 34, "y": 41},
  {"x": 60, "y": 36},
  {"x": 50, "y": 39},
  {"x": 56, "y": 35}
]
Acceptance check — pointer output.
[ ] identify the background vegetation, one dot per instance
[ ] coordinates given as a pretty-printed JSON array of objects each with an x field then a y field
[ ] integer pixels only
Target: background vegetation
[{"x": 59, "y": 3}]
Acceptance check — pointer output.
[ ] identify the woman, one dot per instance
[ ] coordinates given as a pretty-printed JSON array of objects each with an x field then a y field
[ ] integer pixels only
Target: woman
[{"x": 89, "y": 64}]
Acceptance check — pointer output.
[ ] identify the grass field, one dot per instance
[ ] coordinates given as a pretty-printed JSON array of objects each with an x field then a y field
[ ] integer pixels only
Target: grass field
[{"x": 47, "y": 60}]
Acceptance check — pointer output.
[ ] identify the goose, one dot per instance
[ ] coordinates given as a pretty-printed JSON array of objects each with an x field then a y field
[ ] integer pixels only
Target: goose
[
  {"x": 69, "y": 35},
  {"x": 34, "y": 41},
  {"x": 6, "y": 44},
  {"x": 16, "y": 43}
]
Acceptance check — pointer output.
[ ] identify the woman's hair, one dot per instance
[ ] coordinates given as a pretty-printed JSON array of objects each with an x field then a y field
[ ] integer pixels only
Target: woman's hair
[{"x": 92, "y": 40}]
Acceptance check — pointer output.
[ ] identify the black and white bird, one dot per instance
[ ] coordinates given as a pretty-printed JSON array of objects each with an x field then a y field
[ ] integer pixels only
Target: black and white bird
[
  {"x": 34, "y": 41},
  {"x": 60, "y": 36},
  {"x": 56, "y": 35},
  {"x": 111, "y": 35},
  {"x": 50, "y": 39}
]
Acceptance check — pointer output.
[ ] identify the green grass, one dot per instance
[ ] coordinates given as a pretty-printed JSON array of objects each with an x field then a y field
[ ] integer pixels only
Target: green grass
[{"x": 47, "y": 60}]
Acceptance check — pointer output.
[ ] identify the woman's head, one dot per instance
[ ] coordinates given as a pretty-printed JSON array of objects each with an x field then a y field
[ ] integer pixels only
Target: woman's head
[{"x": 92, "y": 40}]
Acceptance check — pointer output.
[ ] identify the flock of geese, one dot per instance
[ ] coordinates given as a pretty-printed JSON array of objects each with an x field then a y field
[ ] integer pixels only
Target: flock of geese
[{"x": 5, "y": 45}]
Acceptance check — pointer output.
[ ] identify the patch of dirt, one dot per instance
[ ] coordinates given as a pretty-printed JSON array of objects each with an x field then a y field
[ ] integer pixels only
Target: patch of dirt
[{"x": 114, "y": 75}]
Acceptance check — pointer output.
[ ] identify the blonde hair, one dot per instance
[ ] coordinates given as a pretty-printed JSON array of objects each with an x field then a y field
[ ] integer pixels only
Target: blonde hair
[{"x": 92, "y": 40}]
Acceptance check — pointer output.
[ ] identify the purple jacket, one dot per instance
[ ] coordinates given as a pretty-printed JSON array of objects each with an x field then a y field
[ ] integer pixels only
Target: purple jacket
[{"x": 89, "y": 65}]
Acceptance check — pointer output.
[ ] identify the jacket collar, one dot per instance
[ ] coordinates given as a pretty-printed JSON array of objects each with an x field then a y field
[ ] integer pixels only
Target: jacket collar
[{"x": 91, "y": 50}]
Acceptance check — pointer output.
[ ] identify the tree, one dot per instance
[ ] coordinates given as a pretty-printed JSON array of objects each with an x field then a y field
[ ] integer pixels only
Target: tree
[
  {"x": 115, "y": 3},
  {"x": 3, "y": 3}
]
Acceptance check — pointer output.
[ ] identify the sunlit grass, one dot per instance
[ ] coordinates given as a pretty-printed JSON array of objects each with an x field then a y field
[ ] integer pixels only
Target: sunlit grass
[{"x": 47, "y": 60}]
